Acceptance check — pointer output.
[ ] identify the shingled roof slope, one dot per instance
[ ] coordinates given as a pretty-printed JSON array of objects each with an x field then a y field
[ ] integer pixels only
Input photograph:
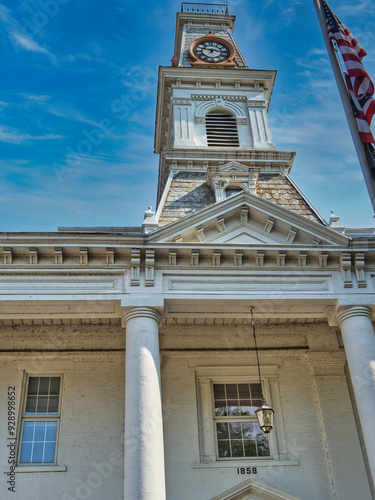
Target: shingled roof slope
[{"x": 189, "y": 192}]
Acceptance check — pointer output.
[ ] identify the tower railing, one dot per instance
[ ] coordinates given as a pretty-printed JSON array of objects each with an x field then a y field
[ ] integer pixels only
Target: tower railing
[{"x": 205, "y": 8}]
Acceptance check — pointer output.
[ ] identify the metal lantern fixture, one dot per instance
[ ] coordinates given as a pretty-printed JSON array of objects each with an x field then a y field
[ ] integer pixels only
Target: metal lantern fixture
[{"x": 265, "y": 412}]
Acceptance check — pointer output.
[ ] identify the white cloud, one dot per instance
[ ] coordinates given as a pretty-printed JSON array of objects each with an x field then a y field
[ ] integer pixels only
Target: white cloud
[{"x": 13, "y": 136}]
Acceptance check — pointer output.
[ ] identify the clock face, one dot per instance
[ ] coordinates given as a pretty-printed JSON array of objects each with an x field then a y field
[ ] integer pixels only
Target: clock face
[{"x": 211, "y": 51}]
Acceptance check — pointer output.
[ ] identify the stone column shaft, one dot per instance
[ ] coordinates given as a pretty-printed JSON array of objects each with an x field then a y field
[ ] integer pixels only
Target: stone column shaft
[
  {"x": 144, "y": 477},
  {"x": 359, "y": 341}
]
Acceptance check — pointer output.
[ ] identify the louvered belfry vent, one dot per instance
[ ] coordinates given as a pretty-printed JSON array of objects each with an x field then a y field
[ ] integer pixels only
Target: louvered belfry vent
[{"x": 221, "y": 129}]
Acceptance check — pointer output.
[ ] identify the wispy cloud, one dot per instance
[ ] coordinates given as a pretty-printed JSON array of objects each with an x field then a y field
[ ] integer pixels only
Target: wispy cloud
[
  {"x": 14, "y": 136},
  {"x": 17, "y": 37}
]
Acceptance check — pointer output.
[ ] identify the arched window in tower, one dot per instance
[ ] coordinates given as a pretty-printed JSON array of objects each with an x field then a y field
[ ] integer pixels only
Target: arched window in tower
[{"x": 221, "y": 129}]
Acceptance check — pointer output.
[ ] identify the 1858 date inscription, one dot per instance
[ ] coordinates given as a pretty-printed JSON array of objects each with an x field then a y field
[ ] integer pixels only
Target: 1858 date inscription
[{"x": 247, "y": 470}]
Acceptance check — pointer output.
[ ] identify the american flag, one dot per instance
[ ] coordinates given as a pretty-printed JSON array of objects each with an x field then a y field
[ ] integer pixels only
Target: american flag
[{"x": 358, "y": 82}]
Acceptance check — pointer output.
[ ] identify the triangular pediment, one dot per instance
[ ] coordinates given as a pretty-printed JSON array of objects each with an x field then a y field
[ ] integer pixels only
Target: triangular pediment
[
  {"x": 246, "y": 219},
  {"x": 233, "y": 166},
  {"x": 254, "y": 490}
]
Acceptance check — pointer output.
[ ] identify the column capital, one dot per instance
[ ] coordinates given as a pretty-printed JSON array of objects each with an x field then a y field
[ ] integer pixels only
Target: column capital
[
  {"x": 141, "y": 312},
  {"x": 346, "y": 312}
]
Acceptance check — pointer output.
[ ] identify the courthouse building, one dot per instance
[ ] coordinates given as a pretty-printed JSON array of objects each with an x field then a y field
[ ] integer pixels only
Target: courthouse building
[{"x": 128, "y": 360}]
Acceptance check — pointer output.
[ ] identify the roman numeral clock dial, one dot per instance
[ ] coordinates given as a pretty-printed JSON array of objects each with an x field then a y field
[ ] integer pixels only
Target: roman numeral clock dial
[{"x": 211, "y": 50}]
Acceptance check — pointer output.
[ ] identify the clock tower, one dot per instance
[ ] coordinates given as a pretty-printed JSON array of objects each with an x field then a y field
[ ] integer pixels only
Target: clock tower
[{"x": 212, "y": 129}]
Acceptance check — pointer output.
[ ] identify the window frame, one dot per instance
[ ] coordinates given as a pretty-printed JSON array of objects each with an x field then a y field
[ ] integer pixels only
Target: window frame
[
  {"x": 206, "y": 377},
  {"x": 38, "y": 418},
  {"x": 236, "y": 419}
]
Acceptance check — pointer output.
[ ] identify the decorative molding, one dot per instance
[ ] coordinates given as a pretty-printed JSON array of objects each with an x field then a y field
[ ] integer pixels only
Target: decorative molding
[
  {"x": 291, "y": 235},
  {"x": 135, "y": 265},
  {"x": 221, "y": 224},
  {"x": 110, "y": 256},
  {"x": 269, "y": 225},
  {"x": 8, "y": 256},
  {"x": 302, "y": 258},
  {"x": 195, "y": 257},
  {"x": 62, "y": 285},
  {"x": 346, "y": 265},
  {"x": 200, "y": 233},
  {"x": 210, "y": 97},
  {"x": 33, "y": 256},
  {"x": 172, "y": 257},
  {"x": 150, "y": 267},
  {"x": 323, "y": 259},
  {"x": 244, "y": 215},
  {"x": 216, "y": 256},
  {"x": 250, "y": 284},
  {"x": 238, "y": 255},
  {"x": 260, "y": 258},
  {"x": 257, "y": 104},
  {"x": 359, "y": 266},
  {"x": 83, "y": 256},
  {"x": 281, "y": 258},
  {"x": 59, "y": 256}
]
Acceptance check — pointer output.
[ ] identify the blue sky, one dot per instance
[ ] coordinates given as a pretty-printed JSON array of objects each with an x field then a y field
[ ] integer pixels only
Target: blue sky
[{"x": 67, "y": 63}]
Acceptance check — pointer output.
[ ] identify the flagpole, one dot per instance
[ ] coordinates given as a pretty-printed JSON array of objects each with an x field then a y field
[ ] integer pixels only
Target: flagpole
[{"x": 358, "y": 144}]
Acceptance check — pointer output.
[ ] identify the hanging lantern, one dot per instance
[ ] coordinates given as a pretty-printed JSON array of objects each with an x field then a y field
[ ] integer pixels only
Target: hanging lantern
[
  {"x": 265, "y": 417},
  {"x": 265, "y": 412}
]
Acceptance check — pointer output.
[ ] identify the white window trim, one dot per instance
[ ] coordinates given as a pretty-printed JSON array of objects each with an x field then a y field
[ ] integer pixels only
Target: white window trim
[
  {"x": 38, "y": 467},
  {"x": 205, "y": 378}
]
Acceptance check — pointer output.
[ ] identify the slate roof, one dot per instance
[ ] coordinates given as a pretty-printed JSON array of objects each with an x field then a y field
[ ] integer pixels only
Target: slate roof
[{"x": 189, "y": 192}]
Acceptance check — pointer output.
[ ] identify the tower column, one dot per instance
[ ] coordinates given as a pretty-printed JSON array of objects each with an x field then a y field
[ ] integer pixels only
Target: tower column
[
  {"x": 144, "y": 477},
  {"x": 359, "y": 342}
]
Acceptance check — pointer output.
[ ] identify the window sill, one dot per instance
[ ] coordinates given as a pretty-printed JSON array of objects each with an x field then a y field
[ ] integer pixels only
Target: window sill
[
  {"x": 40, "y": 468},
  {"x": 234, "y": 464}
]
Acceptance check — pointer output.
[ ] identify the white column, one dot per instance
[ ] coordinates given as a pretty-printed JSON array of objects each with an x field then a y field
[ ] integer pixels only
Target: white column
[
  {"x": 359, "y": 341},
  {"x": 144, "y": 477}
]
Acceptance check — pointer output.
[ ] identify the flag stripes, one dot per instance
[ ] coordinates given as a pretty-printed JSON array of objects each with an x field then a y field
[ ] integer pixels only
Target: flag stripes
[{"x": 359, "y": 83}]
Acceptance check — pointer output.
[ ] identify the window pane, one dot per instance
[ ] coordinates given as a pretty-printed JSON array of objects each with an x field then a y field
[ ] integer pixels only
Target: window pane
[
  {"x": 232, "y": 391},
  {"x": 28, "y": 431},
  {"x": 51, "y": 431},
  {"x": 237, "y": 448},
  {"x": 243, "y": 391},
  {"x": 44, "y": 385},
  {"x": 42, "y": 404},
  {"x": 55, "y": 386},
  {"x": 256, "y": 391},
  {"x": 222, "y": 431},
  {"x": 37, "y": 456},
  {"x": 40, "y": 428},
  {"x": 224, "y": 449},
  {"x": 38, "y": 442},
  {"x": 250, "y": 449},
  {"x": 31, "y": 405},
  {"x": 33, "y": 385},
  {"x": 43, "y": 396},
  {"x": 235, "y": 430},
  {"x": 26, "y": 453},
  {"x": 49, "y": 453},
  {"x": 233, "y": 408},
  {"x": 219, "y": 392},
  {"x": 53, "y": 405},
  {"x": 246, "y": 408}
]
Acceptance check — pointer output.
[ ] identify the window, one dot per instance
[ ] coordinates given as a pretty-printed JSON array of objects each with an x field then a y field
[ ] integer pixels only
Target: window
[
  {"x": 40, "y": 421},
  {"x": 221, "y": 129},
  {"x": 237, "y": 431},
  {"x": 228, "y": 427}
]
